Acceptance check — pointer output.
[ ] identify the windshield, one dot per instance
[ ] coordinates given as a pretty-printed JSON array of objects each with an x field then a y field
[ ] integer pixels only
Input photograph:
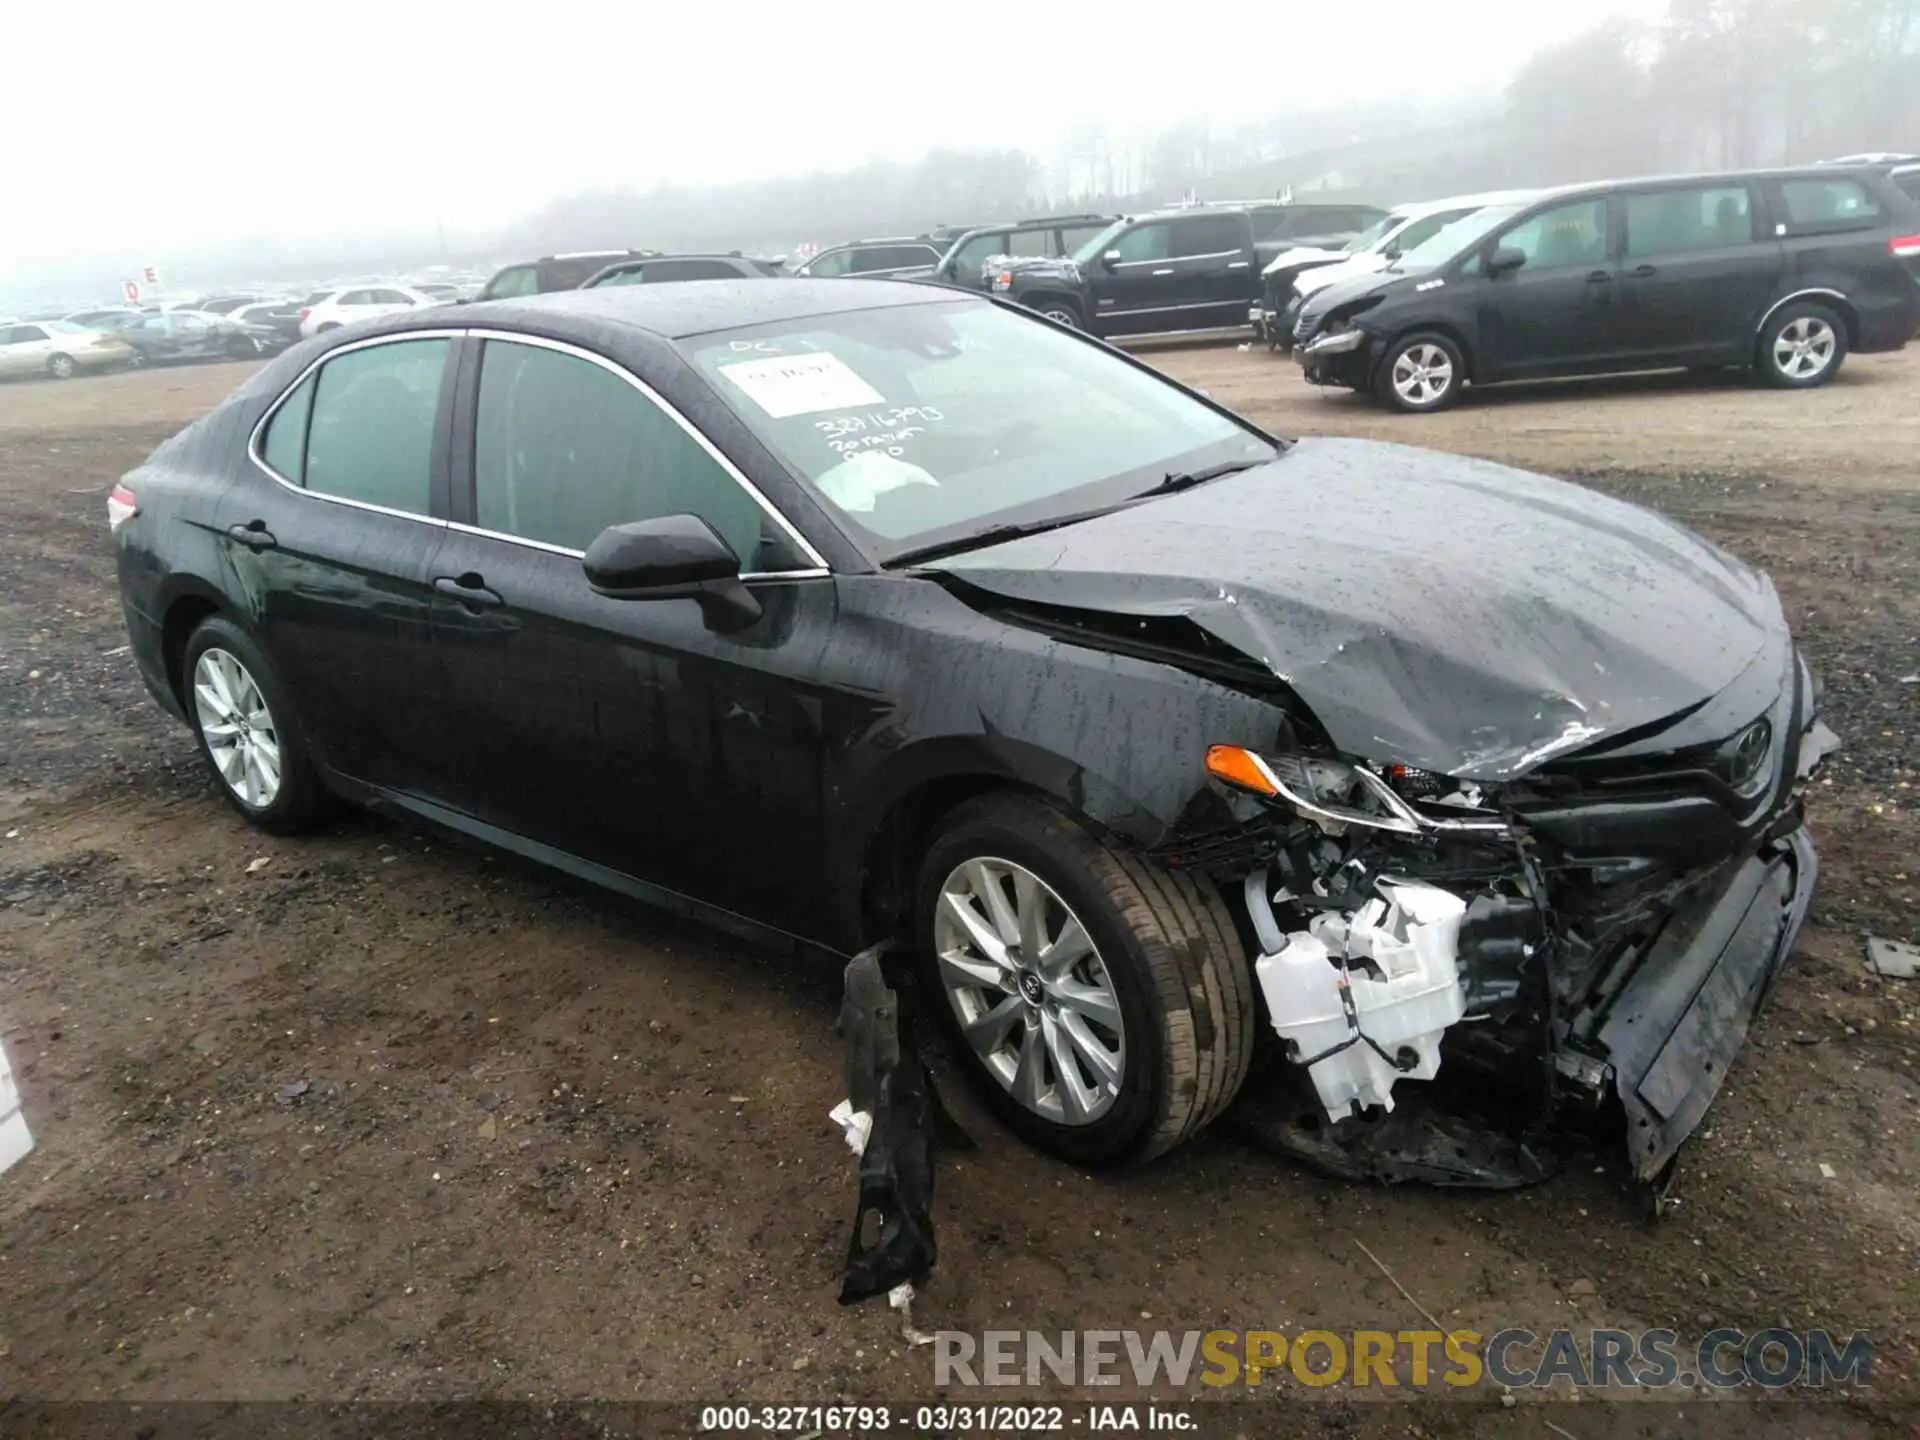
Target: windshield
[
  {"x": 1463, "y": 234},
  {"x": 1094, "y": 248},
  {"x": 1373, "y": 234},
  {"x": 921, "y": 424}
]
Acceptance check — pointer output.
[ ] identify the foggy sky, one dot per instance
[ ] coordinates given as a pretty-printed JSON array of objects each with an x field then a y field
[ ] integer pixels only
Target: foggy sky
[{"x": 148, "y": 129}]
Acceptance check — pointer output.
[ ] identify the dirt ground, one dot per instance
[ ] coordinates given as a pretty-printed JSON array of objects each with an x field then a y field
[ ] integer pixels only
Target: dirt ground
[{"x": 377, "y": 1115}]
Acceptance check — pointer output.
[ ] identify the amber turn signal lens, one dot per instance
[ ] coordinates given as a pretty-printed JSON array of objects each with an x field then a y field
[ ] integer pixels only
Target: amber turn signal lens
[{"x": 1240, "y": 767}]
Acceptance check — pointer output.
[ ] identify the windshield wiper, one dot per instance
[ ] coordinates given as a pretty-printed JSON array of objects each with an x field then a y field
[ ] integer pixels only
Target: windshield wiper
[
  {"x": 1187, "y": 479},
  {"x": 992, "y": 535}
]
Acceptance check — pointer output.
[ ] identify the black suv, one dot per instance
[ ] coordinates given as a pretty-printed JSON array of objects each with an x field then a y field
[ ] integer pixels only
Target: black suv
[
  {"x": 1193, "y": 268},
  {"x": 1782, "y": 271},
  {"x": 653, "y": 269},
  {"x": 1050, "y": 237},
  {"x": 553, "y": 272}
]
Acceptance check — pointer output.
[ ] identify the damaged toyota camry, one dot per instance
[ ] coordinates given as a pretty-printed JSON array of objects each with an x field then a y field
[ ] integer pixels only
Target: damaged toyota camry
[{"x": 1176, "y": 753}]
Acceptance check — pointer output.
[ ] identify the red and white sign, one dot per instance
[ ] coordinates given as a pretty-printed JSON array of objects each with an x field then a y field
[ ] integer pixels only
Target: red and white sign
[{"x": 131, "y": 289}]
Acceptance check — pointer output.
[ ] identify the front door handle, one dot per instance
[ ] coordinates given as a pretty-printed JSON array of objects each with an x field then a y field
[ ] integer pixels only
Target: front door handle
[
  {"x": 1163, "y": 272},
  {"x": 1237, "y": 265},
  {"x": 254, "y": 535},
  {"x": 1642, "y": 271},
  {"x": 1600, "y": 277},
  {"x": 469, "y": 590}
]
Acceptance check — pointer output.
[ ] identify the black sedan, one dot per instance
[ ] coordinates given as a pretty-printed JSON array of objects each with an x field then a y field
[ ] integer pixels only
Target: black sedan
[
  {"x": 193, "y": 335},
  {"x": 834, "y": 610}
]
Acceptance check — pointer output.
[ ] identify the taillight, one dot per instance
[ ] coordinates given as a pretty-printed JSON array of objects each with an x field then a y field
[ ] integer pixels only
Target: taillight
[
  {"x": 121, "y": 507},
  {"x": 1906, "y": 247},
  {"x": 304, "y": 313}
]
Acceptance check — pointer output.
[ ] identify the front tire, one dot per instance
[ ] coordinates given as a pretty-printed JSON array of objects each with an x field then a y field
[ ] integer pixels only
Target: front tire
[
  {"x": 1421, "y": 373},
  {"x": 1060, "y": 312},
  {"x": 60, "y": 367},
  {"x": 249, "y": 736},
  {"x": 1803, "y": 346},
  {"x": 1103, "y": 1005}
]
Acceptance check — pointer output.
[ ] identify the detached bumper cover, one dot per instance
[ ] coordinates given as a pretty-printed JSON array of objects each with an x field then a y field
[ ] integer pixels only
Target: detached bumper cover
[{"x": 1677, "y": 1025}]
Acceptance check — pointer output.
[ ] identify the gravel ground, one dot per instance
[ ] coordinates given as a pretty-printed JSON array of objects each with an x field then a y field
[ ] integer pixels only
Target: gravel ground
[{"x": 376, "y": 1115}]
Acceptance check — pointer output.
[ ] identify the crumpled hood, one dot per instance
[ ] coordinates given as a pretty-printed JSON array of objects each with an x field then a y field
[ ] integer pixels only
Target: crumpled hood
[
  {"x": 1444, "y": 612},
  {"x": 1302, "y": 255}
]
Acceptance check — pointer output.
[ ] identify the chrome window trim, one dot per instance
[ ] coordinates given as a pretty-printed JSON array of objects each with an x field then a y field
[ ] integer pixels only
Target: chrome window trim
[
  {"x": 811, "y": 573},
  {"x": 260, "y": 425},
  {"x": 564, "y": 348},
  {"x": 818, "y": 569}
]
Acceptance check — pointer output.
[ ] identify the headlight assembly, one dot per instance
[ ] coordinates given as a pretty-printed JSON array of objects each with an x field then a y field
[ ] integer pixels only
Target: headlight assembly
[{"x": 1334, "y": 792}]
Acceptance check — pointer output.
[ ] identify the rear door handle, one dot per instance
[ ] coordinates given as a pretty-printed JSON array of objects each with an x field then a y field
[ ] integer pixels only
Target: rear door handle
[
  {"x": 469, "y": 590},
  {"x": 1645, "y": 270},
  {"x": 254, "y": 535},
  {"x": 1237, "y": 265},
  {"x": 1600, "y": 277},
  {"x": 1163, "y": 272}
]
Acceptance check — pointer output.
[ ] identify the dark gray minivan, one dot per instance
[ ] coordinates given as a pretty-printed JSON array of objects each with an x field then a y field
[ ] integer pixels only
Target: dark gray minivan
[{"x": 1782, "y": 272}]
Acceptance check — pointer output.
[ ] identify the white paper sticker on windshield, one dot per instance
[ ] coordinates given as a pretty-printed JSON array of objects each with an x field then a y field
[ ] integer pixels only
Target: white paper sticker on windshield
[{"x": 801, "y": 384}]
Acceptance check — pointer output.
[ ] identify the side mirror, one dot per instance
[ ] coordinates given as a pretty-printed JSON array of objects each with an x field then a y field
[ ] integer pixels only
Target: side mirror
[
  {"x": 1110, "y": 259},
  {"x": 1505, "y": 260},
  {"x": 673, "y": 557}
]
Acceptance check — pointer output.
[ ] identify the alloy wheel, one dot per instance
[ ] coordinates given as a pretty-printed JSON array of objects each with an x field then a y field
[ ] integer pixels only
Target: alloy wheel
[
  {"x": 1031, "y": 993},
  {"x": 1804, "y": 347},
  {"x": 1062, "y": 316},
  {"x": 1422, "y": 375},
  {"x": 238, "y": 728}
]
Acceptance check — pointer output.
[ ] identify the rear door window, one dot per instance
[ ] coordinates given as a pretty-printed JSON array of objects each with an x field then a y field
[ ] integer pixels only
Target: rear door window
[
  {"x": 1821, "y": 206},
  {"x": 370, "y": 438},
  {"x": 1673, "y": 222}
]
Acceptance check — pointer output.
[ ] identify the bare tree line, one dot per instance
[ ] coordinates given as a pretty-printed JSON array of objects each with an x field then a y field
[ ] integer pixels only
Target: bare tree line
[{"x": 1710, "y": 84}]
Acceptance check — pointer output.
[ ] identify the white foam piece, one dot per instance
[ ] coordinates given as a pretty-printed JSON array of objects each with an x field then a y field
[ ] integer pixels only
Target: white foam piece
[{"x": 15, "y": 1139}]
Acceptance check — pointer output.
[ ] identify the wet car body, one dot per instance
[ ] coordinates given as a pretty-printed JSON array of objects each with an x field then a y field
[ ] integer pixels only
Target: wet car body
[{"x": 1582, "y": 722}]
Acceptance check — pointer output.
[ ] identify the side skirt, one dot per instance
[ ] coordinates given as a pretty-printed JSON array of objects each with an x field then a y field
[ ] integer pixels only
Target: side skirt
[{"x": 379, "y": 798}]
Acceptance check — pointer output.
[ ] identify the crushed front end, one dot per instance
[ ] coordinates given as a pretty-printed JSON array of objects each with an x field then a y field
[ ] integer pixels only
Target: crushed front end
[{"x": 1589, "y": 938}]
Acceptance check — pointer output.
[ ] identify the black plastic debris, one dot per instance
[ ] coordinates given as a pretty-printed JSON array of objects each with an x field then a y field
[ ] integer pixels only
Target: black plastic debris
[{"x": 890, "y": 1117}]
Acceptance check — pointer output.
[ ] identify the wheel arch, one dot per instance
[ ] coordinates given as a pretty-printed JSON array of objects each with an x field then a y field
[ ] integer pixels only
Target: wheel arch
[
  {"x": 1058, "y": 298},
  {"x": 191, "y": 601},
  {"x": 928, "y": 781},
  {"x": 1834, "y": 300}
]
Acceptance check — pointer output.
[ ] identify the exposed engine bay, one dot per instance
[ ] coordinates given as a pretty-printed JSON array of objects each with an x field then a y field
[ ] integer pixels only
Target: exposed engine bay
[{"x": 1453, "y": 975}]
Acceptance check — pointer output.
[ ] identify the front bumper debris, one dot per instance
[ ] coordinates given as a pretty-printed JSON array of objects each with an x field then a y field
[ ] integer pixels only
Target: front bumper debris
[
  {"x": 1672, "y": 1033},
  {"x": 893, "y": 1120}
]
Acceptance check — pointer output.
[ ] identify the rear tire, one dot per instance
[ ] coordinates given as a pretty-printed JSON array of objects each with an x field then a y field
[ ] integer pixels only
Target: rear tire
[
  {"x": 1801, "y": 347},
  {"x": 60, "y": 367},
  {"x": 1421, "y": 373},
  {"x": 249, "y": 736},
  {"x": 1162, "y": 990}
]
